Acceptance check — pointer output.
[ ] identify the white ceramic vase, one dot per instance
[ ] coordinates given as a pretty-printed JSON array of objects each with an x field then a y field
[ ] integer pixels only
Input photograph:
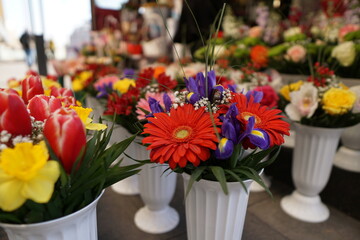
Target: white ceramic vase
[
  {"x": 130, "y": 185},
  {"x": 212, "y": 215},
  {"x": 156, "y": 190},
  {"x": 313, "y": 157},
  {"x": 79, "y": 225},
  {"x": 348, "y": 156}
]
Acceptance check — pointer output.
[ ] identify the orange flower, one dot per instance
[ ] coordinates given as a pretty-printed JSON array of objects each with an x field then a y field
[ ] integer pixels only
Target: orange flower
[
  {"x": 158, "y": 70},
  {"x": 266, "y": 119},
  {"x": 186, "y": 135},
  {"x": 259, "y": 55}
]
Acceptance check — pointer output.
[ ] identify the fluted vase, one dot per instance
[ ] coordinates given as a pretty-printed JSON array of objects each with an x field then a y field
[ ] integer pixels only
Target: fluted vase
[
  {"x": 313, "y": 157},
  {"x": 348, "y": 156},
  {"x": 78, "y": 225},
  {"x": 157, "y": 188},
  {"x": 212, "y": 215},
  {"x": 130, "y": 185}
]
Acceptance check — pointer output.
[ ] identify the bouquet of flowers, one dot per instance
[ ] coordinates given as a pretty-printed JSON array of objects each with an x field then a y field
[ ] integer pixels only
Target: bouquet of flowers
[
  {"x": 128, "y": 98},
  {"x": 321, "y": 101},
  {"x": 49, "y": 166},
  {"x": 205, "y": 130}
]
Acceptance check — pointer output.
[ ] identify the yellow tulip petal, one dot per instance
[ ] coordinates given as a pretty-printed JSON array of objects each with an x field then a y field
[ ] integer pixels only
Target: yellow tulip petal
[
  {"x": 40, "y": 188},
  {"x": 96, "y": 126},
  {"x": 10, "y": 194}
]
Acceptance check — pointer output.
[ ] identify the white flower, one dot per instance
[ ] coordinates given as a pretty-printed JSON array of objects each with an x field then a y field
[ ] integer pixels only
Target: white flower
[
  {"x": 292, "y": 31},
  {"x": 356, "y": 90},
  {"x": 303, "y": 102},
  {"x": 344, "y": 53}
]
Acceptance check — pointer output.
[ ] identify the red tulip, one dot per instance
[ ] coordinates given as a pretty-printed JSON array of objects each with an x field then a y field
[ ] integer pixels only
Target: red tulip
[
  {"x": 61, "y": 92},
  {"x": 31, "y": 86},
  {"x": 42, "y": 106},
  {"x": 14, "y": 116},
  {"x": 65, "y": 133}
]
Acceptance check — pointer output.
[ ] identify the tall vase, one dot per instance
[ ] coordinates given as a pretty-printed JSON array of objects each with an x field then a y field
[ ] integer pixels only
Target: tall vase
[
  {"x": 212, "y": 215},
  {"x": 313, "y": 157},
  {"x": 157, "y": 188},
  {"x": 78, "y": 225},
  {"x": 130, "y": 185},
  {"x": 348, "y": 156}
]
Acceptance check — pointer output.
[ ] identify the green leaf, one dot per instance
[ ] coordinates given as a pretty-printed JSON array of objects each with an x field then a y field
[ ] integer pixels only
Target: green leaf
[
  {"x": 237, "y": 178},
  {"x": 235, "y": 156},
  {"x": 193, "y": 177},
  {"x": 220, "y": 176},
  {"x": 264, "y": 164}
]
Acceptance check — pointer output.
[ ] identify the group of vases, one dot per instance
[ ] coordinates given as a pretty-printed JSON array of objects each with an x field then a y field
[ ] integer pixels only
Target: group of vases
[{"x": 210, "y": 214}]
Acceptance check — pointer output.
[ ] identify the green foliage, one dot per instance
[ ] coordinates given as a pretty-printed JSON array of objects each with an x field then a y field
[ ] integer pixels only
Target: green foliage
[
  {"x": 96, "y": 171},
  {"x": 352, "y": 36}
]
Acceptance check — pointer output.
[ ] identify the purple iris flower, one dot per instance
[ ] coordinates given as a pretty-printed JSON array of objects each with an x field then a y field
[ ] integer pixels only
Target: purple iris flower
[
  {"x": 230, "y": 131},
  {"x": 167, "y": 102},
  {"x": 257, "y": 136},
  {"x": 200, "y": 86},
  {"x": 129, "y": 73},
  {"x": 104, "y": 90},
  {"x": 232, "y": 88},
  {"x": 154, "y": 105},
  {"x": 225, "y": 149},
  {"x": 256, "y": 94}
]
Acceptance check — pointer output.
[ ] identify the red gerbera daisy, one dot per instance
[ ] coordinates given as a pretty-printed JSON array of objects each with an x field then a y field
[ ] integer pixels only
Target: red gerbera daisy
[
  {"x": 266, "y": 119},
  {"x": 186, "y": 135}
]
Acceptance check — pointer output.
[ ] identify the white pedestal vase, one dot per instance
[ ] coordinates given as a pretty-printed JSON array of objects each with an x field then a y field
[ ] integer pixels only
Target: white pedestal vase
[
  {"x": 130, "y": 185},
  {"x": 289, "y": 141},
  {"x": 79, "y": 225},
  {"x": 312, "y": 163},
  {"x": 348, "y": 156},
  {"x": 212, "y": 215},
  {"x": 156, "y": 190}
]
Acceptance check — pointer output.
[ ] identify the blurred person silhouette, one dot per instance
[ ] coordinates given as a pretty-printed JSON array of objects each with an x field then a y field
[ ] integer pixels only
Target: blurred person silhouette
[{"x": 25, "y": 41}]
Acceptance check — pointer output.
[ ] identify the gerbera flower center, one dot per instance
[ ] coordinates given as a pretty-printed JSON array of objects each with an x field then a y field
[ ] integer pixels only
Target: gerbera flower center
[
  {"x": 247, "y": 115},
  {"x": 182, "y": 133}
]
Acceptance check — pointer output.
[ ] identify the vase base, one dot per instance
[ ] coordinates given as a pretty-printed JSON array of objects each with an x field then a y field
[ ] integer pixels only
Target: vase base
[
  {"x": 307, "y": 209},
  {"x": 128, "y": 186},
  {"x": 156, "y": 222},
  {"x": 255, "y": 187},
  {"x": 347, "y": 159}
]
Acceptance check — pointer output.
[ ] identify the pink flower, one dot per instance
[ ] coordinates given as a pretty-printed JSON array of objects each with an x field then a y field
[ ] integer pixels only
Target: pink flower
[
  {"x": 31, "y": 86},
  {"x": 143, "y": 103},
  {"x": 255, "y": 32},
  {"x": 105, "y": 81},
  {"x": 347, "y": 29},
  {"x": 270, "y": 97},
  {"x": 296, "y": 53},
  {"x": 61, "y": 92}
]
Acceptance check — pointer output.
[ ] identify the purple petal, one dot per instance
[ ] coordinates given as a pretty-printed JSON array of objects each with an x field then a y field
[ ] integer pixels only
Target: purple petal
[
  {"x": 167, "y": 102},
  {"x": 259, "y": 138},
  {"x": 154, "y": 105},
  {"x": 129, "y": 73},
  {"x": 200, "y": 79},
  {"x": 225, "y": 149},
  {"x": 228, "y": 130},
  {"x": 193, "y": 97},
  {"x": 256, "y": 94},
  {"x": 191, "y": 85}
]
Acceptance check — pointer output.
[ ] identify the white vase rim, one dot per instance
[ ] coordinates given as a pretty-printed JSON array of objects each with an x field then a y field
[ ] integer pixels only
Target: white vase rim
[
  {"x": 210, "y": 183},
  {"x": 318, "y": 128},
  {"x": 71, "y": 215}
]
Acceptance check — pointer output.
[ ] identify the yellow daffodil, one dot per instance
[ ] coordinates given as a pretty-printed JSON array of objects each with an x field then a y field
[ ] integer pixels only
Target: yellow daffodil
[
  {"x": 83, "y": 114},
  {"x": 123, "y": 85},
  {"x": 13, "y": 83},
  {"x": 80, "y": 80},
  {"x": 48, "y": 83},
  {"x": 26, "y": 173}
]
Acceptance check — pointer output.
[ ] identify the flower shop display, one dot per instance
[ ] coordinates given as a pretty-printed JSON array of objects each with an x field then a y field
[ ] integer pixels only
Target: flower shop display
[
  {"x": 46, "y": 161},
  {"x": 321, "y": 109},
  {"x": 348, "y": 155},
  {"x": 129, "y": 103},
  {"x": 202, "y": 135}
]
